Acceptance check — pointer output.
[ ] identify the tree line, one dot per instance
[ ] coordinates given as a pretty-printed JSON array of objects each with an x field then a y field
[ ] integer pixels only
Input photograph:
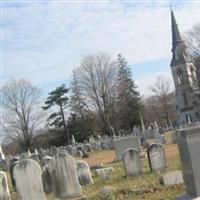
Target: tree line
[{"x": 101, "y": 99}]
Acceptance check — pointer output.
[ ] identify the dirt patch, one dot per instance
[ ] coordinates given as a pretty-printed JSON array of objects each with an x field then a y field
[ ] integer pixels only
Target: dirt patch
[
  {"x": 171, "y": 150},
  {"x": 108, "y": 156},
  {"x": 101, "y": 157}
]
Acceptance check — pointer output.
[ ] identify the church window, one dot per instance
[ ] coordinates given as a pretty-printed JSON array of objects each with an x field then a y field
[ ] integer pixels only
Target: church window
[
  {"x": 180, "y": 76},
  {"x": 188, "y": 118},
  {"x": 185, "y": 99},
  {"x": 193, "y": 75}
]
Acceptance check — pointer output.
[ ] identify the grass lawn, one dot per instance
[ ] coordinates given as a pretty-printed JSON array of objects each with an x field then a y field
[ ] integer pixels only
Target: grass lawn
[{"x": 127, "y": 188}]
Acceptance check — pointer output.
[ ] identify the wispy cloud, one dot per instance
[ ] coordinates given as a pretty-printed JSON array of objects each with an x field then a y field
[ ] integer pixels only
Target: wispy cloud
[{"x": 44, "y": 41}]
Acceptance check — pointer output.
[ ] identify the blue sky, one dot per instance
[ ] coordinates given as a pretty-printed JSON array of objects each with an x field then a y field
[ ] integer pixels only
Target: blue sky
[{"x": 43, "y": 41}]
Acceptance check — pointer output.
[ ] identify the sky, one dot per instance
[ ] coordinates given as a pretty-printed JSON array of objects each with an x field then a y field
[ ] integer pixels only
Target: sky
[{"x": 43, "y": 41}]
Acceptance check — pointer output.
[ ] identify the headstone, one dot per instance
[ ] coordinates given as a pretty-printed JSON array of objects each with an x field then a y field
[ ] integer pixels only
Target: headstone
[
  {"x": 73, "y": 140},
  {"x": 156, "y": 157},
  {"x": 113, "y": 131},
  {"x": 87, "y": 148},
  {"x": 27, "y": 175},
  {"x": 45, "y": 160},
  {"x": 132, "y": 162},
  {"x": 4, "y": 190},
  {"x": 172, "y": 178},
  {"x": 53, "y": 151},
  {"x": 79, "y": 154},
  {"x": 4, "y": 165},
  {"x": 28, "y": 154},
  {"x": 122, "y": 144},
  {"x": 84, "y": 173},
  {"x": 46, "y": 180},
  {"x": 142, "y": 124},
  {"x": 189, "y": 145},
  {"x": 64, "y": 177},
  {"x": 11, "y": 168},
  {"x": 159, "y": 138},
  {"x": 2, "y": 157},
  {"x": 105, "y": 173}
]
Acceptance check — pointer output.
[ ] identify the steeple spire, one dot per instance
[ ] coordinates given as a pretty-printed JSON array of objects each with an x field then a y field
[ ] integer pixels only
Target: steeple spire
[
  {"x": 176, "y": 37},
  {"x": 178, "y": 46}
]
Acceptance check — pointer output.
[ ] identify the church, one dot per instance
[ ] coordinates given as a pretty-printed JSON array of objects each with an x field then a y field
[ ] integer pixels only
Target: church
[{"x": 187, "y": 90}]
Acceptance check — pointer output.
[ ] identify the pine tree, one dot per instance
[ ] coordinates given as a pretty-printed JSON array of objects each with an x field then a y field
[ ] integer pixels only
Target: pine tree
[
  {"x": 58, "y": 97},
  {"x": 77, "y": 103},
  {"x": 128, "y": 101},
  {"x": 80, "y": 122}
]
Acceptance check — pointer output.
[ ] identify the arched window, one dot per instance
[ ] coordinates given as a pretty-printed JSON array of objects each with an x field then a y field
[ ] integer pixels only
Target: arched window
[
  {"x": 185, "y": 99},
  {"x": 193, "y": 74},
  {"x": 180, "y": 76}
]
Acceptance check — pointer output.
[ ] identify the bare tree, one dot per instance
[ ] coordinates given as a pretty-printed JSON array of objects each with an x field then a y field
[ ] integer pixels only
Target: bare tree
[
  {"x": 21, "y": 117},
  {"x": 97, "y": 77},
  {"x": 193, "y": 42},
  {"x": 163, "y": 95}
]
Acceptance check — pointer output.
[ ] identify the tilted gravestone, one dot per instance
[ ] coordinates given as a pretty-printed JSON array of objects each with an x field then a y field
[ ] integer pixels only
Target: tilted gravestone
[
  {"x": 84, "y": 173},
  {"x": 27, "y": 175},
  {"x": 4, "y": 190},
  {"x": 156, "y": 157},
  {"x": 132, "y": 162},
  {"x": 122, "y": 144},
  {"x": 64, "y": 177},
  {"x": 189, "y": 149}
]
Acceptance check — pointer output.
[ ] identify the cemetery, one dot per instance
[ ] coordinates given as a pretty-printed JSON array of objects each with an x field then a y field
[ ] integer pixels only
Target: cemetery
[
  {"x": 155, "y": 171},
  {"x": 99, "y": 139}
]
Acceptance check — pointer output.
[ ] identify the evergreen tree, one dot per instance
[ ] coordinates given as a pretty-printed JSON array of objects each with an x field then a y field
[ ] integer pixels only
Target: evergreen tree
[
  {"x": 128, "y": 100},
  {"x": 58, "y": 97},
  {"x": 80, "y": 121},
  {"x": 77, "y": 103}
]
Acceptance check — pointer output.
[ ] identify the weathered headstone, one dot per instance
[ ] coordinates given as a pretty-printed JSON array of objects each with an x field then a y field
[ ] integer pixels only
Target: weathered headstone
[
  {"x": 172, "y": 178},
  {"x": 105, "y": 173},
  {"x": 122, "y": 144},
  {"x": 84, "y": 173},
  {"x": 64, "y": 177},
  {"x": 189, "y": 144},
  {"x": 156, "y": 157},
  {"x": 132, "y": 162},
  {"x": 27, "y": 175},
  {"x": 4, "y": 190}
]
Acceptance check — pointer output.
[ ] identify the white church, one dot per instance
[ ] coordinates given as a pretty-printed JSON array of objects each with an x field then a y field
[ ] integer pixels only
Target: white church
[{"x": 183, "y": 70}]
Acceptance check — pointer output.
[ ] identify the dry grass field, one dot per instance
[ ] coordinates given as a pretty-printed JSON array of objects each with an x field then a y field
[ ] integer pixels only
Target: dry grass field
[{"x": 145, "y": 186}]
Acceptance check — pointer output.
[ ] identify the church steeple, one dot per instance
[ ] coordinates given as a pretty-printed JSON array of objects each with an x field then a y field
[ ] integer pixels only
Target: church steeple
[
  {"x": 178, "y": 46},
  {"x": 176, "y": 36}
]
